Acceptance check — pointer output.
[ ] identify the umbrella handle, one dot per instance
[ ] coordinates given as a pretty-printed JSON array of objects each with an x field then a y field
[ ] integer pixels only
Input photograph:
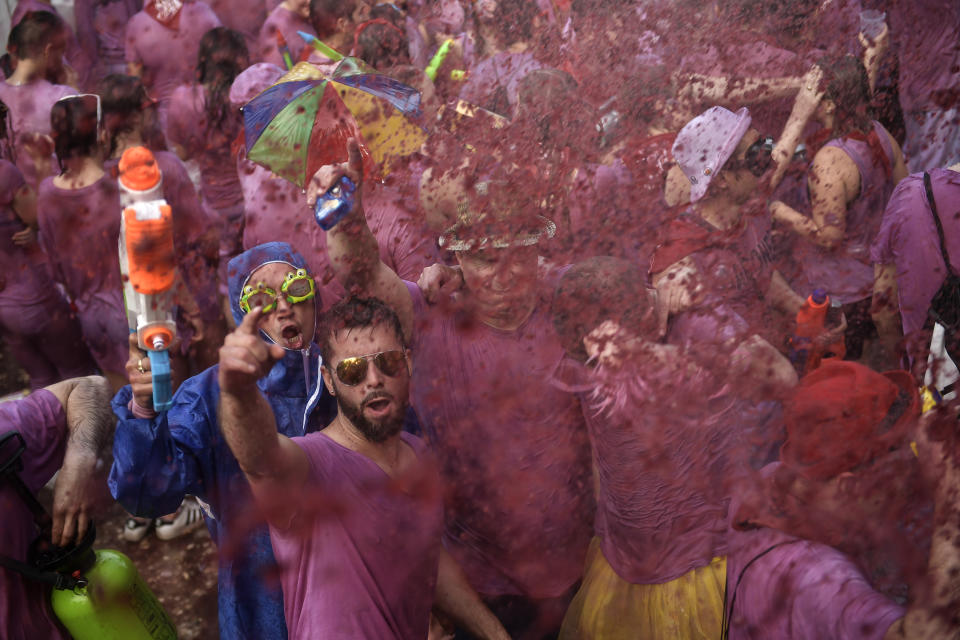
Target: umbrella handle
[{"x": 336, "y": 203}]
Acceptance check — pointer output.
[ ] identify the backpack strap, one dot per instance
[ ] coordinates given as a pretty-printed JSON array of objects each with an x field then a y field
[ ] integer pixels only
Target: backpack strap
[{"x": 928, "y": 187}]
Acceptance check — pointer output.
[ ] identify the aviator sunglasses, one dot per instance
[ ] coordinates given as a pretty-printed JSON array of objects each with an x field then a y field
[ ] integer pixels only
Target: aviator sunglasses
[
  {"x": 352, "y": 371},
  {"x": 297, "y": 287}
]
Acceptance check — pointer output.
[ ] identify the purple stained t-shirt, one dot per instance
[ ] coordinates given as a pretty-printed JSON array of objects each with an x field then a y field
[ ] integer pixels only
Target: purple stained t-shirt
[
  {"x": 287, "y": 23},
  {"x": 189, "y": 126},
  {"x": 24, "y": 608},
  {"x": 101, "y": 31},
  {"x": 513, "y": 449},
  {"x": 79, "y": 230},
  {"x": 361, "y": 558},
  {"x": 801, "y": 590},
  {"x": 23, "y": 279},
  {"x": 245, "y": 16},
  {"x": 29, "y": 105},
  {"x": 908, "y": 239},
  {"x": 168, "y": 56}
]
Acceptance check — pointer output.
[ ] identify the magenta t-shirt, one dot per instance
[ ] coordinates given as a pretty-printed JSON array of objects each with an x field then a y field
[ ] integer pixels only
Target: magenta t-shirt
[
  {"x": 360, "y": 559},
  {"x": 513, "y": 449},
  {"x": 801, "y": 590},
  {"x": 288, "y": 23},
  {"x": 245, "y": 16},
  {"x": 168, "y": 56},
  {"x": 24, "y": 608},
  {"x": 908, "y": 239},
  {"x": 188, "y": 126}
]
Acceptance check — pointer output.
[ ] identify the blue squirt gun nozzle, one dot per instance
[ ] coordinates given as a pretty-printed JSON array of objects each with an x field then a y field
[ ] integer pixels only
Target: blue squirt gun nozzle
[{"x": 333, "y": 205}]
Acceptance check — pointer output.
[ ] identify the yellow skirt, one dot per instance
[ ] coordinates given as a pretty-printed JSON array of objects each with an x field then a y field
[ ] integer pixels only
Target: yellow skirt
[{"x": 607, "y": 607}]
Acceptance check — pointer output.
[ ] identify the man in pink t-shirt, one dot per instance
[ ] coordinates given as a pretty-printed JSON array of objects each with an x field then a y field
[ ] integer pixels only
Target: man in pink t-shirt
[
  {"x": 512, "y": 448},
  {"x": 162, "y": 43},
  {"x": 65, "y": 426},
  {"x": 355, "y": 509}
]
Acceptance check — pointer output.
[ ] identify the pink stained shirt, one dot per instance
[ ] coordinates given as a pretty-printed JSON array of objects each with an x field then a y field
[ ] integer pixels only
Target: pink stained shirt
[
  {"x": 361, "y": 559},
  {"x": 287, "y": 23},
  {"x": 101, "y": 31},
  {"x": 244, "y": 16},
  {"x": 513, "y": 450},
  {"x": 23, "y": 278},
  {"x": 664, "y": 463},
  {"x": 29, "y": 105},
  {"x": 801, "y": 590},
  {"x": 908, "y": 239},
  {"x": 188, "y": 126},
  {"x": 25, "y": 612},
  {"x": 168, "y": 56}
]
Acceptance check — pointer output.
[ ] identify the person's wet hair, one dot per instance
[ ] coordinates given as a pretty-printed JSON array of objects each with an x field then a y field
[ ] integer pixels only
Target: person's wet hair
[
  {"x": 382, "y": 45},
  {"x": 74, "y": 128},
  {"x": 849, "y": 89},
  {"x": 600, "y": 289},
  {"x": 325, "y": 13},
  {"x": 222, "y": 57},
  {"x": 127, "y": 107},
  {"x": 355, "y": 313},
  {"x": 33, "y": 33}
]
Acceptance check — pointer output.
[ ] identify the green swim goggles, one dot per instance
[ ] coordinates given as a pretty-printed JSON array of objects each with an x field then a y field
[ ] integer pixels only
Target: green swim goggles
[{"x": 298, "y": 287}]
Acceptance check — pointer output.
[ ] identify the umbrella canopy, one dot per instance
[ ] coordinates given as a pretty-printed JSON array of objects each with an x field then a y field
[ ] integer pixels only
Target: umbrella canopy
[{"x": 304, "y": 121}]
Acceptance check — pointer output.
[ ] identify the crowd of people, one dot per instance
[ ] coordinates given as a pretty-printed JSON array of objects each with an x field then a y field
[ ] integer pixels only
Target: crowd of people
[{"x": 650, "y": 338}]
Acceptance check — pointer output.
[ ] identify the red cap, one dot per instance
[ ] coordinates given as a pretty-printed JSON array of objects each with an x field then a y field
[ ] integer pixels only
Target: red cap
[{"x": 844, "y": 414}]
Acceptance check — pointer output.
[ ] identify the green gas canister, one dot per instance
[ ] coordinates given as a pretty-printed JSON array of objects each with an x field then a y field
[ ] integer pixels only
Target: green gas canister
[{"x": 109, "y": 601}]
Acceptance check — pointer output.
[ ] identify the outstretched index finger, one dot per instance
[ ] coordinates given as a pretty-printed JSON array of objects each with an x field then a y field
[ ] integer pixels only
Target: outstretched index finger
[{"x": 248, "y": 325}]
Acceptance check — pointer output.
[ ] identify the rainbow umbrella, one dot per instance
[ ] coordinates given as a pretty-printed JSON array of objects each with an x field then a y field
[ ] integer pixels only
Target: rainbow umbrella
[{"x": 304, "y": 121}]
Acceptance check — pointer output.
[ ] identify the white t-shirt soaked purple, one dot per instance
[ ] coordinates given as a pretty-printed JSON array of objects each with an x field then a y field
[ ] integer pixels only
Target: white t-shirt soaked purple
[{"x": 360, "y": 559}]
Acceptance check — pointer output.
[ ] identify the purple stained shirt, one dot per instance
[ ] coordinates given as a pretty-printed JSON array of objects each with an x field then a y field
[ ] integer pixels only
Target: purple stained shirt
[
  {"x": 924, "y": 34},
  {"x": 287, "y": 23},
  {"x": 908, "y": 239},
  {"x": 24, "y": 608},
  {"x": 513, "y": 449},
  {"x": 101, "y": 31},
  {"x": 245, "y": 16},
  {"x": 29, "y": 107},
  {"x": 168, "y": 56},
  {"x": 492, "y": 83},
  {"x": 801, "y": 590},
  {"x": 79, "y": 230},
  {"x": 365, "y": 566},
  {"x": 846, "y": 271},
  {"x": 188, "y": 126},
  {"x": 23, "y": 278}
]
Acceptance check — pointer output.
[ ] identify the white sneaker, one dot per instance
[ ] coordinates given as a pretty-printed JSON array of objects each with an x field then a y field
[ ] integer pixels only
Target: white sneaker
[
  {"x": 136, "y": 529},
  {"x": 188, "y": 517}
]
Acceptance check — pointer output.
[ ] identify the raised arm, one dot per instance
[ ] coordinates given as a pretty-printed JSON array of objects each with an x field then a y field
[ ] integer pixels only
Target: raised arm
[
  {"x": 352, "y": 247},
  {"x": 86, "y": 403},
  {"x": 834, "y": 181},
  {"x": 273, "y": 464}
]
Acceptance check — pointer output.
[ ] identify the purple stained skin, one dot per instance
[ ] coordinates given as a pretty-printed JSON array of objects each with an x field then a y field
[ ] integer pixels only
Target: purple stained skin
[
  {"x": 288, "y": 23},
  {"x": 513, "y": 450},
  {"x": 908, "y": 239},
  {"x": 25, "y": 612},
  {"x": 379, "y": 554},
  {"x": 168, "y": 56},
  {"x": 35, "y": 321}
]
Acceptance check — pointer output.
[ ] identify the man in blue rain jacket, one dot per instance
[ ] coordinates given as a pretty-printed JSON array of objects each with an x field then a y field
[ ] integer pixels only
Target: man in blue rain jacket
[{"x": 159, "y": 458}]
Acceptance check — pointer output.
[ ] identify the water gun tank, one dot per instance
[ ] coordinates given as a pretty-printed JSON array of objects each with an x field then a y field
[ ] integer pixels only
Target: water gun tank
[{"x": 148, "y": 263}]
